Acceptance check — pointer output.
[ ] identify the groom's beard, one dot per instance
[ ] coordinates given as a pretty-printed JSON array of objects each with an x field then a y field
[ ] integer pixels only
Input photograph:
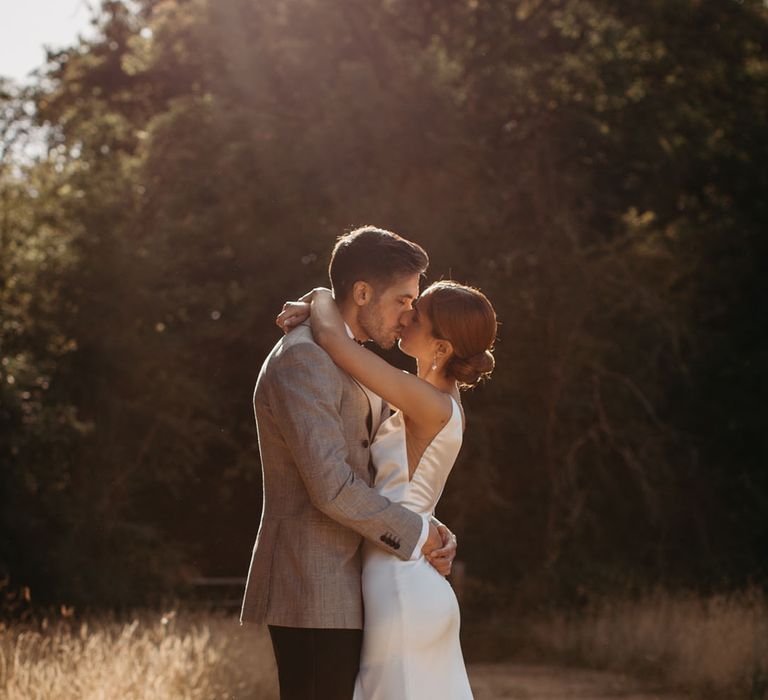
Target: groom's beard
[{"x": 372, "y": 322}]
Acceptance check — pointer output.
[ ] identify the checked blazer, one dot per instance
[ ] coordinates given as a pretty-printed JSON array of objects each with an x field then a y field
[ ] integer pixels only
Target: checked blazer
[{"x": 318, "y": 505}]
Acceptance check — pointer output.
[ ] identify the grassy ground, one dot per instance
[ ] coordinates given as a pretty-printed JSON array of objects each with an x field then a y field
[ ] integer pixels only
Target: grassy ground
[
  {"x": 514, "y": 681},
  {"x": 185, "y": 656},
  {"x": 714, "y": 648}
]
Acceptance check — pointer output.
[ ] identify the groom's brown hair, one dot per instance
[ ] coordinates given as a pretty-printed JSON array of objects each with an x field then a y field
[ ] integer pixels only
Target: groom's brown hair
[{"x": 373, "y": 255}]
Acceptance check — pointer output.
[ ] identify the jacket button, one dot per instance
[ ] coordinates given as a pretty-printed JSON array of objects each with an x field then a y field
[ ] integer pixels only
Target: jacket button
[{"x": 365, "y": 443}]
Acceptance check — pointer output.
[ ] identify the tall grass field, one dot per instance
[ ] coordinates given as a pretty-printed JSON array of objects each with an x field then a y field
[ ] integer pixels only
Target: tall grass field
[
  {"x": 153, "y": 656},
  {"x": 714, "y": 647},
  {"x": 717, "y": 645}
]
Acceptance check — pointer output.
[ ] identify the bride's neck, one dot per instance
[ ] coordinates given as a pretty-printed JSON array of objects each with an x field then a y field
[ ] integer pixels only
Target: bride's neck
[{"x": 434, "y": 377}]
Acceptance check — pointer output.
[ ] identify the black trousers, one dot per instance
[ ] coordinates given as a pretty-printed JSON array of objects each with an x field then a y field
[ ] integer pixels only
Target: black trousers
[{"x": 316, "y": 664}]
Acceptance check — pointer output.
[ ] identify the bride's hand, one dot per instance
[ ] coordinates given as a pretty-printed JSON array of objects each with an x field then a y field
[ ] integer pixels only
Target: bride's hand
[
  {"x": 311, "y": 293},
  {"x": 293, "y": 314}
]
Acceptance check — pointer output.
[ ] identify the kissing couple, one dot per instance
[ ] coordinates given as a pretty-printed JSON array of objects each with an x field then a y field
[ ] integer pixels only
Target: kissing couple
[{"x": 341, "y": 470}]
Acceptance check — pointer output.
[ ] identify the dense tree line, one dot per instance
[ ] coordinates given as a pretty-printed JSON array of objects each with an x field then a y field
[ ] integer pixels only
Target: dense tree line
[{"x": 599, "y": 169}]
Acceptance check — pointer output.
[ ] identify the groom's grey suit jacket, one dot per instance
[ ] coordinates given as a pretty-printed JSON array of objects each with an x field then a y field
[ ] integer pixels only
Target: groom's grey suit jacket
[{"x": 318, "y": 504}]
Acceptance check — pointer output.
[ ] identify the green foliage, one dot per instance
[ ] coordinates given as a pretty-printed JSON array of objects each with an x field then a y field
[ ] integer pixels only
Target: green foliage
[
  {"x": 38, "y": 421},
  {"x": 598, "y": 169}
]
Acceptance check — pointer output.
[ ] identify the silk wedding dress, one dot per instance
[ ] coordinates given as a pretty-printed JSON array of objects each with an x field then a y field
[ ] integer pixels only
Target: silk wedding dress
[{"x": 411, "y": 647}]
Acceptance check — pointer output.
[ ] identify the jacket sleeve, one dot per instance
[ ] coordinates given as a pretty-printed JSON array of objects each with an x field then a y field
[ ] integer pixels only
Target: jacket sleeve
[{"x": 304, "y": 392}]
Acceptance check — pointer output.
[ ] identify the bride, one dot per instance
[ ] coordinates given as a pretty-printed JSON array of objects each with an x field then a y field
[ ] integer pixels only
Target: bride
[{"x": 411, "y": 644}]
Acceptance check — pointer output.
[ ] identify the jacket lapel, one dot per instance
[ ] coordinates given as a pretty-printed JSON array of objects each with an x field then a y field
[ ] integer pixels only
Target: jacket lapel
[{"x": 375, "y": 405}]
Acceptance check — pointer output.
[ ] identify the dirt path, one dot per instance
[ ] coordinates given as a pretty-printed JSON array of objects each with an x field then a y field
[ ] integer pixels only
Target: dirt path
[{"x": 523, "y": 682}]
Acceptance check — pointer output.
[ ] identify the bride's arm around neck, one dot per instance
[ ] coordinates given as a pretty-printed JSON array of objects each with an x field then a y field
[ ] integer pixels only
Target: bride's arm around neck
[{"x": 426, "y": 406}]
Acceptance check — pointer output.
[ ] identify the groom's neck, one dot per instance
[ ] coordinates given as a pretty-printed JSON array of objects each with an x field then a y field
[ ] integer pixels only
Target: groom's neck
[{"x": 349, "y": 311}]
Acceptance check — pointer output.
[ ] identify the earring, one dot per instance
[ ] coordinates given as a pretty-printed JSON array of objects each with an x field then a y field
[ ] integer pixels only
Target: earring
[{"x": 434, "y": 363}]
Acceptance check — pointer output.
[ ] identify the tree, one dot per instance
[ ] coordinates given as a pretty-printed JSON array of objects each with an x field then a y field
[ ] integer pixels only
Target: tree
[{"x": 590, "y": 166}]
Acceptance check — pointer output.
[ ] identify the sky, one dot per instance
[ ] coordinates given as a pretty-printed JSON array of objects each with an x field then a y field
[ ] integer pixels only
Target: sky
[{"x": 27, "y": 25}]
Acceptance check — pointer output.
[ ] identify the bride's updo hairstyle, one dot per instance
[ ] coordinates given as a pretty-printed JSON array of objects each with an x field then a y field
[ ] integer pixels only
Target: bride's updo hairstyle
[{"x": 464, "y": 316}]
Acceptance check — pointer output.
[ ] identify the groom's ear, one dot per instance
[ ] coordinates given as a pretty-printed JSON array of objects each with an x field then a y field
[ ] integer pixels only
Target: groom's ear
[{"x": 362, "y": 293}]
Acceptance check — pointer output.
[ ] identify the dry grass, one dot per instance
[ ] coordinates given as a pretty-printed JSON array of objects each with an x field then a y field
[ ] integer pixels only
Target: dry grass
[
  {"x": 718, "y": 645},
  {"x": 163, "y": 657}
]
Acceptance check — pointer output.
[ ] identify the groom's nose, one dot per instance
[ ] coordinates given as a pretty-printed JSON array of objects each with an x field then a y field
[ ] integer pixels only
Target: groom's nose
[{"x": 405, "y": 317}]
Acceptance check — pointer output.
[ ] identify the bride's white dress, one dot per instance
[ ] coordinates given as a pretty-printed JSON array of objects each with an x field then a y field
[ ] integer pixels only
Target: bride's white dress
[{"x": 411, "y": 647}]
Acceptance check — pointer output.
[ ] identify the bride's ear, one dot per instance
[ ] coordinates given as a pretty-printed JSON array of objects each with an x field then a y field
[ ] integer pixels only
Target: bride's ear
[
  {"x": 362, "y": 293},
  {"x": 444, "y": 349}
]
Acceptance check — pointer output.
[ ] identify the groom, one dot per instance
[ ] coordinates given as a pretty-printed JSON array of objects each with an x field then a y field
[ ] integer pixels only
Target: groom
[{"x": 315, "y": 425}]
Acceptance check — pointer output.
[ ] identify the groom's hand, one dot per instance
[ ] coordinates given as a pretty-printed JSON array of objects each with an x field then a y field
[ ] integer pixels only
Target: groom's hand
[
  {"x": 442, "y": 558},
  {"x": 440, "y": 548},
  {"x": 433, "y": 542}
]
